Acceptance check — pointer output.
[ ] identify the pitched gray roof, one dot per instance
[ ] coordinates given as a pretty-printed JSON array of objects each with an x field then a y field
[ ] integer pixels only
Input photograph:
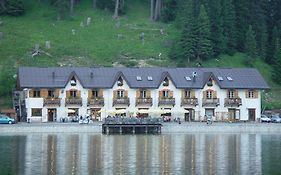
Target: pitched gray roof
[{"x": 57, "y": 77}]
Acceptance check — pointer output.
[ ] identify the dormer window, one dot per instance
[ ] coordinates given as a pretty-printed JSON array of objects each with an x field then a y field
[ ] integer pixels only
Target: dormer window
[
  {"x": 73, "y": 81},
  {"x": 166, "y": 82},
  {"x": 120, "y": 82},
  {"x": 210, "y": 82}
]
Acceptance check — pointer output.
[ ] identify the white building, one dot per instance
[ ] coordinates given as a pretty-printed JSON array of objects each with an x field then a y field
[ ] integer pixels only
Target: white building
[{"x": 187, "y": 93}]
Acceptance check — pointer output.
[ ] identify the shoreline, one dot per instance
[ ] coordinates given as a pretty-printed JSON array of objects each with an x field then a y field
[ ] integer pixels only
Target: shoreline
[{"x": 168, "y": 128}]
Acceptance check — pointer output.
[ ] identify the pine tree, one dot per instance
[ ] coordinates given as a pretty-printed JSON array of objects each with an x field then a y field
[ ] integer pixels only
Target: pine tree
[
  {"x": 250, "y": 46},
  {"x": 14, "y": 7},
  {"x": 250, "y": 43},
  {"x": 203, "y": 47},
  {"x": 214, "y": 12},
  {"x": 276, "y": 74},
  {"x": 228, "y": 27}
]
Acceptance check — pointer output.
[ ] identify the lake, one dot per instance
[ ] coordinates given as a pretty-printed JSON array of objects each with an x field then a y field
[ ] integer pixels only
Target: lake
[{"x": 67, "y": 154}]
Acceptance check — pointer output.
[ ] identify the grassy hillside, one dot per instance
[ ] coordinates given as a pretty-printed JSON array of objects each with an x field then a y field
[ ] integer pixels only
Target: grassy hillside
[{"x": 105, "y": 42}]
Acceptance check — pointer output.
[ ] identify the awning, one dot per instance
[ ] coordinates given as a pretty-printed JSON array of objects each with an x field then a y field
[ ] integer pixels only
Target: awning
[
  {"x": 71, "y": 111},
  {"x": 143, "y": 111},
  {"x": 180, "y": 111},
  {"x": 120, "y": 111}
]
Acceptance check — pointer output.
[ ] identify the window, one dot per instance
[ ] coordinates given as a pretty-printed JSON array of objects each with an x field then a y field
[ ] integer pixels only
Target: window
[
  {"x": 251, "y": 94},
  {"x": 95, "y": 93},
  {"x": 51, "y": 93},
  {"x": 149, "y": 78},
  {"x": 220, "y": 78},
  {"x": 187, "y": 78},
  {"x": 73, "y": 81},
  {"x": 209, "y": 94},
  {"x": 210, "y": 82},
  {"x": 138, "y": 78},
  {"x": 36, "y": 93},
  {"x": 229, "y": 78},
  {"x": 187, "y": 94},
  {"x": 165, "y": 94},
  {"x": 230, "y": 94},
  {"x": 143, "y": 94},
  {"x": 120, "y": 94},
  {"x": 73, "y": 93},
  {"x": 36, "y": 112},
  {"x": 120, "y": 81},
  {"x": 166, "y": 82}
]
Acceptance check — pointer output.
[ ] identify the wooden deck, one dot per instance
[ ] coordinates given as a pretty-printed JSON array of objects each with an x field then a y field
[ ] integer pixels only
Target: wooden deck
[{"x": 131, "y": 126}]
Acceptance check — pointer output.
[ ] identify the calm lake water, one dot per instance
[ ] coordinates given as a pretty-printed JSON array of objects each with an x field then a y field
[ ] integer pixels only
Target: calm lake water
[{"x": 140, "y": 154}]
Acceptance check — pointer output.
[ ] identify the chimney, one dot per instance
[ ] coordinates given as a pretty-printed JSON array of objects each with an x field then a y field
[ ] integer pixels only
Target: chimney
[
  {"x": 194, "y": 75},
  {"x": 53, "y": 74},
  {"x": 92, "y": 75}
]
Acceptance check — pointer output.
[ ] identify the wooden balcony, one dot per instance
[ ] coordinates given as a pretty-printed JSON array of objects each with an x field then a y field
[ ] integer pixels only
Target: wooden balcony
[
  {"x": 189, "y": 101},
  {"x": 167, "y": 101},
  {"x": 232, "y": 102},
  {"x": 96, "y": 101},
  {"x": 121, "y": 101},
  {"x": 73, "y": 101},
  {"x": 144, "y": 101},
  {"x": 210, "y": 102},
  {"x": 52, "y": 102}
]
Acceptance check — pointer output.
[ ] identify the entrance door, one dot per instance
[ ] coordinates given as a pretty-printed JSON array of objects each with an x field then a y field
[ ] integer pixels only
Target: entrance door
[
  {"x": 96, "y": 115},
  {"x": 190, "y": 115},
  {"x": 52, "y": 115},
  {"x": 252, "y": 114},
  {"x": 231, "y": 114},
  {"x": 210, "y": 112}
]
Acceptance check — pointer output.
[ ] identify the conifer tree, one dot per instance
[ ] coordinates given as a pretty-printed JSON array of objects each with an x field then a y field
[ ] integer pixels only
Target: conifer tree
[
  {"x": 276, "y": 74},
  {"x": 250, "y": 43},
  {"x": 228, "y": 27}
]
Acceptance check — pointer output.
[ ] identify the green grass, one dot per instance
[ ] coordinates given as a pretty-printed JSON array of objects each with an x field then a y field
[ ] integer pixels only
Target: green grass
[{"x": 98, "y": 44}]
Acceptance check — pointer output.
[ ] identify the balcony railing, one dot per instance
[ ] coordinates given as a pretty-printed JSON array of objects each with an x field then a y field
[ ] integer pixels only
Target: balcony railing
[
  {"x": 189, "y": 101},
  {"x": 144, "y": 101},
  {"x": 96, "y": 101},
  {"x": 232, "y": 102},
  {"x": 210, "y": 101},
  {"x": 73, "y": 101},
  {"x": 166, "y": 101},
  {"x": 121, "y": 101},
  {"x": 52, "y": 101}
]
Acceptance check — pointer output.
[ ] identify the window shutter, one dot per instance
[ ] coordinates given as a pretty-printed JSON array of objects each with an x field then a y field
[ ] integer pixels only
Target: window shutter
[
  {"x": 256, "y": 94},
  {"x": 44, "y": 93},
  {"x": 100, "y": 93},
  {"x": 236, "y": 94},
  {"x": 171, "y": 94},
  {"x": 90, "y": 94},
  {"x": 183, "y": 94},
  {"x": 246, "y": 94},
  {"x": 148, "y": 93},
  {"x": 78, "y": 93},
  {"x": 160, "y": 94},
  {"x": 57, "y": 93},
  {"x": 204, "y": 94},
  {"x": 67, "y": 94},
  {"x": 138, "y": 94},
  {"x": 31, "y": 93},
  {"x": 192, "y": 93},
  {"x": 125, "y": 93},
  {"x": 214, "y": 94},
  {"x": 115, "y": 94}
]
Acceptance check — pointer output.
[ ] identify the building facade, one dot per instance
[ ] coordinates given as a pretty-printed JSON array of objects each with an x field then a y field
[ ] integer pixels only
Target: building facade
[{"x": 52, "y": 94}]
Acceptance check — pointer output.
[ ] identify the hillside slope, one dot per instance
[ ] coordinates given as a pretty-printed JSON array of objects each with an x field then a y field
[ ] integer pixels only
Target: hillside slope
[{"x": 105, "y": 42}]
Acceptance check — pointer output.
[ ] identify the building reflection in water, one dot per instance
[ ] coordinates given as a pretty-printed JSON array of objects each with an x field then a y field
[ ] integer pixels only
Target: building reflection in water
[{"x": 134, "y": 154}]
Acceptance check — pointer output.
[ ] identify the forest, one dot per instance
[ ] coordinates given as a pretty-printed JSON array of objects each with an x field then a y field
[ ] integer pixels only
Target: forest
[{"x": 157, "y": 32}]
